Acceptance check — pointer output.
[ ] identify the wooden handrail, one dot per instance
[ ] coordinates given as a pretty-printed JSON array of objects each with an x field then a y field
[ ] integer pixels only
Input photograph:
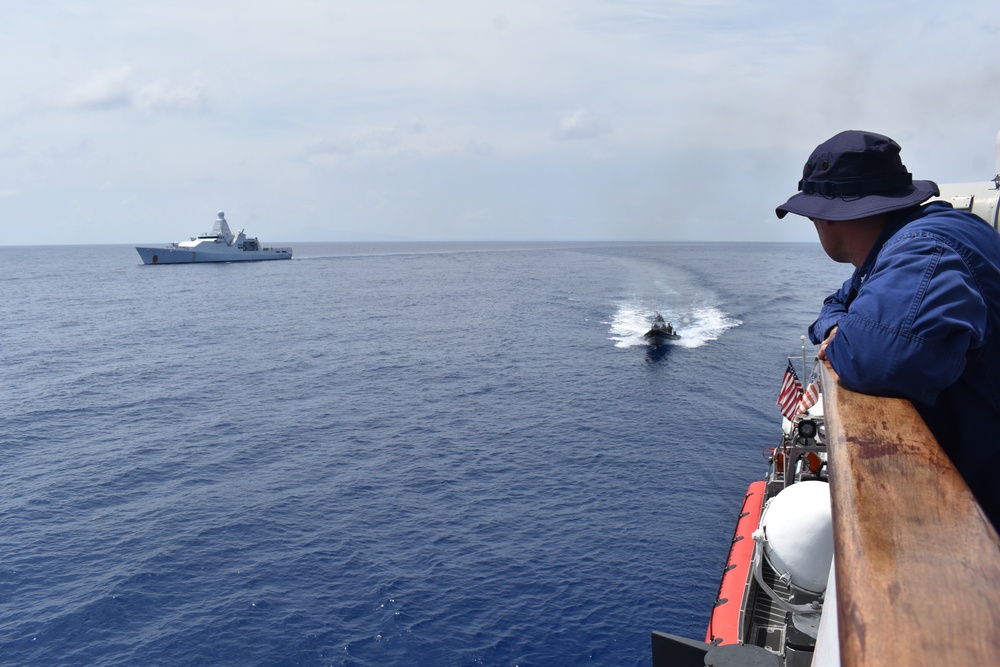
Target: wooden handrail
[{"x": 917, "y": 562}]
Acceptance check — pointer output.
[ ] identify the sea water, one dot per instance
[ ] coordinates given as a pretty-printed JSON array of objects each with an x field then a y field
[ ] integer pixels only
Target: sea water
[{"x": 383, "y": 454}]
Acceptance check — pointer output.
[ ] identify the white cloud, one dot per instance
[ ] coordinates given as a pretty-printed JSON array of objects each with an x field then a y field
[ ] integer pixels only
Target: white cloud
[
  {"x": 400, "y": 137},
  {"x": 161, "y": 96},
  {"x": 114, "y": 88},
  {"x": 581, "y": 124},
  {"x": 104, "y": 89}
]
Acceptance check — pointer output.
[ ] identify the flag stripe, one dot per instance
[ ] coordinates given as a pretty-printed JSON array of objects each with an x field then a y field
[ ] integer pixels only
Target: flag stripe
[
  {"x": 790, "y": 394},
  {"x": 810, "y": 396}
]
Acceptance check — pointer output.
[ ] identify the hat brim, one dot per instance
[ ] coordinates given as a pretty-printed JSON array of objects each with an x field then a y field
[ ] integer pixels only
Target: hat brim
[{"x": 824, "y": 207}]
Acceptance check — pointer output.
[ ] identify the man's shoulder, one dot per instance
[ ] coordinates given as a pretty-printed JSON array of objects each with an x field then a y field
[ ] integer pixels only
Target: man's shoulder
[
  {"x": 941, "y": 221},
  {"x": 937, "y": 210}
]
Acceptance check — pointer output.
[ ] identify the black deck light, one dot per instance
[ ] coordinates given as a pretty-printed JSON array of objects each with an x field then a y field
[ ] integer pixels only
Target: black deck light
[{"x": 807, "y": 429}]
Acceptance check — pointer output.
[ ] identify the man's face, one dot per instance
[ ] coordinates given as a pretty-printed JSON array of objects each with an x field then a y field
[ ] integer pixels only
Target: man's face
[{"x": 830, "y": 237}]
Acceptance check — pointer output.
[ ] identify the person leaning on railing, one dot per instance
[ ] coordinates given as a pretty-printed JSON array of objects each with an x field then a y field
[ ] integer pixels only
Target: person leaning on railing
[{"x": 920, "y": 316}]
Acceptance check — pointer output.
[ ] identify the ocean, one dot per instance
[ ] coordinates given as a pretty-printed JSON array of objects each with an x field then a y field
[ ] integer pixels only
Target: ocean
[{"x": 383, "y": 454}]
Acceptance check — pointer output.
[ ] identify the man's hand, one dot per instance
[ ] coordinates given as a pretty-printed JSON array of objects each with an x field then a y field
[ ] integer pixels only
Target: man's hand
[{"x": 822, "y": 348}]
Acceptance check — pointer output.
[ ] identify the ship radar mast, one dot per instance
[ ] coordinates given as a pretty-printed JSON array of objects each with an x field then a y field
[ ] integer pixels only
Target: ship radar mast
[{"x": 221, "y": 228}]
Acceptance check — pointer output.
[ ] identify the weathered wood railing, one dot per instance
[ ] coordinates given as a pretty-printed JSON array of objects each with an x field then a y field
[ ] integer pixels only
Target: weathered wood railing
[{"x": 917, "y": 563}]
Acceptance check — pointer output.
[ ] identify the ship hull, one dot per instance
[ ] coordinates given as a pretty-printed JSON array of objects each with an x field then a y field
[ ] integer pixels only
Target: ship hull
[
  {"x": 168, "y": 255},
  {"x": 659, "y": 337}
]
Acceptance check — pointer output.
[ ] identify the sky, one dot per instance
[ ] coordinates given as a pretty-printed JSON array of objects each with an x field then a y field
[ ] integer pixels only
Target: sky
[{"x": 133, "y": 121}]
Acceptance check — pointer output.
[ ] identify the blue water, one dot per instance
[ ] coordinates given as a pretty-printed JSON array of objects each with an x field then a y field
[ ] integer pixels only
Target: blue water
[{"x": 382, "y": 454}]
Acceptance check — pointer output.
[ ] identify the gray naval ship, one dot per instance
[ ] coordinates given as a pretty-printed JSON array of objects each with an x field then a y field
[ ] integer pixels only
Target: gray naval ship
[{"x": 219, "y": 245}]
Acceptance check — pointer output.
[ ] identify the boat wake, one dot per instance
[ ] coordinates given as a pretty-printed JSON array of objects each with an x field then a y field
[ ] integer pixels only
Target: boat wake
[{"x": 697, "y": 325}]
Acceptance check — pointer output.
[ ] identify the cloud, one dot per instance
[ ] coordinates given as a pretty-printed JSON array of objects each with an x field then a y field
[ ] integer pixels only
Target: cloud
[
  {"x": 380, "y": 141},
  {"x": 478, "y": 148},
  {"x": 582, "y": 124},
  {"x": 106, "y": 89},
  {"x": 113, "y": 88},
  {"x": 161, "y": 96}
]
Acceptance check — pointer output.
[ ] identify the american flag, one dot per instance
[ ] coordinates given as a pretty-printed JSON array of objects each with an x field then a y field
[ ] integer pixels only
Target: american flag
[
  {"x": 810, "y": 396},
  {"x": 790, "y": 394}
]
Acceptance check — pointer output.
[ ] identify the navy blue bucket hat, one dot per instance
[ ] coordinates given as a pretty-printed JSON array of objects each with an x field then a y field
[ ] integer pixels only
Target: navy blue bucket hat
[{"x": 855, "y": 175}]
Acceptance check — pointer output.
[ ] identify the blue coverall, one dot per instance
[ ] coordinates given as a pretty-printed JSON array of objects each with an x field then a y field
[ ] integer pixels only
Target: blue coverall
[{"x": 920, "y": 319}]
